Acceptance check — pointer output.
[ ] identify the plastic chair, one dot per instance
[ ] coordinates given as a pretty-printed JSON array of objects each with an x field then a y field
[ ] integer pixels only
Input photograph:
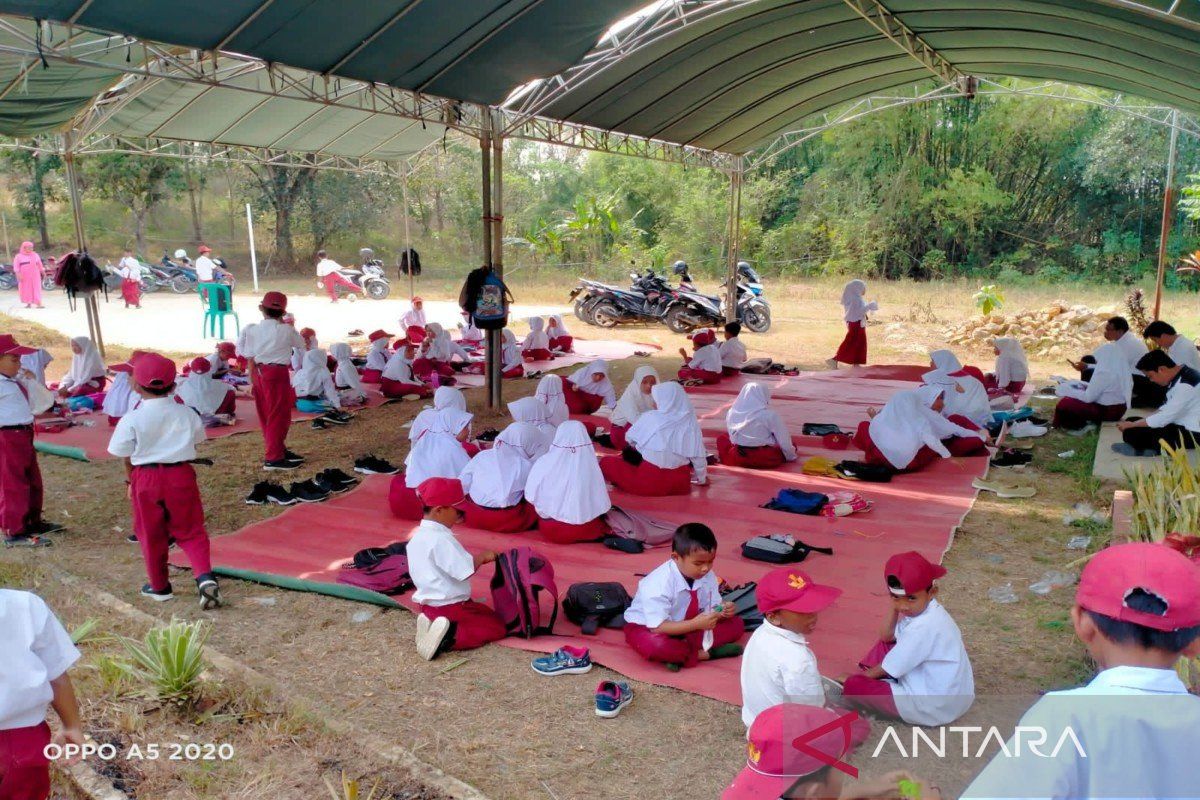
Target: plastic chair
[{"x": 218, "y": 304}]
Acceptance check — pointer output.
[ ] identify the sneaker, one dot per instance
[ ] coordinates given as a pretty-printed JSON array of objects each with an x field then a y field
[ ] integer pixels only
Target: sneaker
[
  {"x": 158, "y": 597},
  {"x": 370, "y": 465},
  {"x": 308, "y": 492},
  {"x": 335, "y": 418},
  {"x": 1081, "y": 432},
  {"x": 1026, "y": 429},
  {"x": 270, "y": 492},
  {"x": 336, "y": 475},
  {"x": 334, "y": 480},
  {"x": 431, "y": 636},
  {"x": 25, "y": 540},
  {"x": 44, "y": 528},
  {"x": 567, "y": 660},
  {"x": 288, "y": 455},
  {"x": 281, "y": 464},
  {"x": 611, "y": 697},
  {"x": 210, "y": 593}
]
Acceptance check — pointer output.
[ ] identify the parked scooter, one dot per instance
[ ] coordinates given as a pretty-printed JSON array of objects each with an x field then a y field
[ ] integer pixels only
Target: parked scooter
[
  {"x": 8, "y": 278},
  {"x": 369, "y": 276},
  {"x": 647, "y": 300},
  {"x": 181, "y": 273},
  {"x": 698, "y": 310}
]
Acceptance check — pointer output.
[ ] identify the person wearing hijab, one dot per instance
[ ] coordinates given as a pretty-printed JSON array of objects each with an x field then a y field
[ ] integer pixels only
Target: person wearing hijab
[
  {"x": 536, "y": 346},
  {"x": 561, "y": 340},
  {"x": 207, "y": 397},
  {"x": 413, "y": 321},
  {"x": 377, "y": 356},
  {"x": 345, "y": 376},
  {"x": 310, "y": 343},
  {"x": 757, "y": 437},
  {"x": 1104, "y": 398},
  {"x": 437, "y": 453},
  {"x": 853, "y": 349},
  {"x": 589, "y": 388},
  {"x": 120, "y": 399},
  {"x": 531, "y": 416},
  {"x": 397, "y": 378},
  {"x": 315, "y": 392},
  {"x": 445, "y": 397},
  {"x": 665, "y": 447},
  {"x": 35, "y": 364},
  {"x": 469, "y": 335},
  {"x": 567, "y": 489},
  {"x": 512, "y": 361},
  {"x": 705, "y": 362},
  {"x": 1011, "y": 371},
  {"x": 635, "y": 401},
  {"x": 86, "y": 375},
  {"x": 495, "y": 480},
  {"x": 949, "y": 363},
  {"x": 909, "y": 432},
  {"x": 436, "y": 354},
  {"x": 966, "y": 397},
  {"x": 550, "y": 393},
  {"x": 29, "y": 270}
]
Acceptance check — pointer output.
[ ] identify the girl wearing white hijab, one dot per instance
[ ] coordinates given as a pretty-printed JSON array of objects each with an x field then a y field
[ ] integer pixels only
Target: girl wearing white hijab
[
  {"x": 313, "y": 384},
  {"x": 445, "y": 397},
  {"x": 310, "y": 343},
  {"x": 853, "y": 349},
  {"x": 469, "y": 335},
  {"x": 377, "y": 356},
  {"x": 1104, "y": 398},
  {"x": 949, "y": 363},
  {"x": 704, "y": 365},
  {"x": 204, "y": 395},
  {"x": 561, "y": 339},
  {"x": 668, "y": 441},
  {"x": 910, "y": 432},
  {"x": 1012, "y": 369},
  {"x": 87, "y": 373},
  {"x": 345, "y": 377},
  {"x": 35, "y": 363},
  {"x": 120, "y": 399},
  {"x": 966, "y": 398},
  {"x": 413, "y": 321},
  {"x": 397, "y": 378},
  {"x": 512, "y": 362},
  {"x": 588, "y": 388},
  {"x": 567, "y": 488},
  {"x": 550, "y": 393},
  {"x": 635, "y": 401},
  {"x": 757, "y": 437},
  {"x": 532, "y": 414},
  {"x": 436, "y": 354},
  {"x": 495, "y": 480},
  {"x": 536, "y": 346},
  {"x": 438, "y": 453}
]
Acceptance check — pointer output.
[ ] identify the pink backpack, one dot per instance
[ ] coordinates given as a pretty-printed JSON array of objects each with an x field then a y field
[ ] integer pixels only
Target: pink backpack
[
  {"x": 380, "y": 569},
  {"x": 524, "y": 577},
  {"x": 629, "y": 524}
]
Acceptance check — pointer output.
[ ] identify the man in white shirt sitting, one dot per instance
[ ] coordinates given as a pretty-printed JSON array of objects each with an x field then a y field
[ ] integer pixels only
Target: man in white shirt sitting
[
  {"x": 329, "y": 274},
  {"x": 1176, "y": 422},
  {"x": 1180, "y": 348}
]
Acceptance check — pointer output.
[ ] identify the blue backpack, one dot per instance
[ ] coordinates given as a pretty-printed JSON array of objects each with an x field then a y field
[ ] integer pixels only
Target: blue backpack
[
  {"x": 797, "y": 501},
  {"x": 485, "y": 297}
]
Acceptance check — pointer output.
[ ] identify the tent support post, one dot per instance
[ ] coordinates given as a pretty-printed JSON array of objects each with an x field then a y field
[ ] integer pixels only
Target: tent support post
[
  {"x": 1168, "y": 203},
  {"x": 495, "y": 340},
  {"x": 89, "y": 301},
  {"x": 253, "y": 251},
  {"x": 732, "y": 243},
  {"x": 485, "y": 202},
  {"x": 412, "y": 291}
]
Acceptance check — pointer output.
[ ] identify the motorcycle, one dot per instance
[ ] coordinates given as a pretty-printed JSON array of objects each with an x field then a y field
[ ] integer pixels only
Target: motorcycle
[
  {"x": 586, "y": 292},
  {"x": 8, "y": 279},
  {"x": 648, "y": 299},
  {"x": 181, "y": 275},
  {"x": 698, "y": 310},
  {"x": 369, "y": 276}
]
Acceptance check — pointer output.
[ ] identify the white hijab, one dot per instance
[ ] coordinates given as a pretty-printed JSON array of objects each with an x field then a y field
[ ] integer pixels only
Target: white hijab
[
  {"x": 313, "y": 378},
  {"x": 557, "y": 328},
  {"x": 533, "y": 412},
  {"x": 398, "y": 368},
  {"x": 965, "y": 395},
  {"x": 469, "y": 332},
  {"x": 537, "y": 338},
  {"x": 119, "y": 397},
  {"x": 413, "y": 317},
  {"x": 496, "y": 477},
  {"x": 86, "y": 364},
  {"x": 633, "y": 402},
  {"x": 566, "y": 484},
  {"x": 377, "y": 356},
  {"x": 945, "y": 361},
  {"x": 582, "y": 378},
  {"x": 200, "y": 391},
  {"x": 671, "y": 427},
  {"x": 346, "y": 375},
  {"x": 750, "y": 408},
  {"x": 443, "y": 398},
  {"x": 36, "y": 363},
  {"x": 510, "y": 352},
  {"x": 550, "y": 392},
  {"x": 1011, "y": 363},
  {"x": 852, "y": 301},
  {"x": 438, "y": 453},
  {"x": 907, "y": 423}
]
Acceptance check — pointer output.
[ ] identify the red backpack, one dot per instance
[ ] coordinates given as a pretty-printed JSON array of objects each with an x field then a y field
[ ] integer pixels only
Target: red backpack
[
  {"x": 523, "y": 578},
  {"x": 379, "y": 569}
]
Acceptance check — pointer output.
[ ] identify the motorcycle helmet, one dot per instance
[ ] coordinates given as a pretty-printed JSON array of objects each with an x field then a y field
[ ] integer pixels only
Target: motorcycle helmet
[
  {"x": 365, "y": 254},
  {"x": 180, "y": 253},
  {"x": 680, "y": 268}
]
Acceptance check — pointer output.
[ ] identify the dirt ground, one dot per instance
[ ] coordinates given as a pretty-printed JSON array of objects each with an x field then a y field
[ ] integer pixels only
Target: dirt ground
[{"x": 490, "y": 721}]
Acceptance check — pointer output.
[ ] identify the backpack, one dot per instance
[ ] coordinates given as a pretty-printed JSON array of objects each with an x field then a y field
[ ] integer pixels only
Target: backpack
[
  {"x": 522, "y": 577},
  {"x": 745, "y": 604},
  {"x": 590, "y": 605},
  {"x": 639, "y": 527},
  {"x": 77, "y": 273},
  {"x": 379, "y": 569},
  {"x": 860, "y": 471},
  {"x": 410, "y": 260},
  {"x": 486, "y": 298},
  {"x": 777, "y": 549},
  {"x": 797, "y": 501}
]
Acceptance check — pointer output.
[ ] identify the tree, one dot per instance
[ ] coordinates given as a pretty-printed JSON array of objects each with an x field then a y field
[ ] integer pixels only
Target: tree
[
  {"x": 279, "y": 189},
  {"x": 195, "y": 181},
  {"x": 342, "y": 203},
  {"x": 136, "y": 182},
  {"x": 33, "y": 170}
]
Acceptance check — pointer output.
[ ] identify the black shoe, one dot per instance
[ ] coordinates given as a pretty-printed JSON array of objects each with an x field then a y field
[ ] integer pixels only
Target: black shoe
[
  {"x": 337, "y": 476},
  {"x": 268, "y": 492},
  {"x": 210, "y": 593},
  {"x": 288, "y": 455},
  {"x": 319, "y": 424},
  {"x": 333, "y": 418},
  {"x": 1011, "y": 458},
  {"x": 132, "y": 538},
  {"x": 370, "y": 465},
  {"x": 160, "y": 597},
  {"x": 25, "y": 540},
  {"x": 44, "y": 528},
  {"x": 281, "y": 464},
  {"x": 334, "y": 481},
  {"x": 1038, "y": 420},
  {"x": 308, "y": 492}
]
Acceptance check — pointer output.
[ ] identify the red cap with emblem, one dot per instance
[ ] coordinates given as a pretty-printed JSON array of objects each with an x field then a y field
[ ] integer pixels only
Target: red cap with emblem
[
  {"x": 782, "y": 748},
  {"x": 915, "y": 572},
  {"x": 789, "y": 589}
]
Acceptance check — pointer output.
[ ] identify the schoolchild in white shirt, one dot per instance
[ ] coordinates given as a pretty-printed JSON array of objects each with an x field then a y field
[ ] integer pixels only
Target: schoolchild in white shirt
[
  {"x": 733, "y": 352},
  {"x": 21, "y": 520},
  {"x": 130, "y": 270},
  {"x": 495, "y": 482},
  {"x": 756, "y": 437},
  {"x": 268, "y": 346}
]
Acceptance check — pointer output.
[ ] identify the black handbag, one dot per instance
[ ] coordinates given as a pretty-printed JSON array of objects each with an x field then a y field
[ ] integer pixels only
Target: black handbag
[
  {"x": 745, "y": 604},
  {"x": 777, "y": 551},
  {"x": 590, "y": 605}
]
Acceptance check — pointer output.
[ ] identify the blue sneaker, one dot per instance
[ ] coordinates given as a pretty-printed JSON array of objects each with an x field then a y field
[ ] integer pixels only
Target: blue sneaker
[
  {"x": 566, "y": 660},
  {"x": 611, "y": 697}
]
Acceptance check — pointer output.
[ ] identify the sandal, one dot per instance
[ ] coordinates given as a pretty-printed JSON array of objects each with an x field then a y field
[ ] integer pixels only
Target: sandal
[{"x": 1003, "y": 490}]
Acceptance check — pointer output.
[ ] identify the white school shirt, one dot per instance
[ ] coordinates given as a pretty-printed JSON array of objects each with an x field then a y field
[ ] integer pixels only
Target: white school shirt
[
  {"x": 733, "y": 353},
  {"x": 158, "y": 431},
  {"x": 1136, "y": 725},
  {"x": 764, "y": 429},
  {"x": 933, "y": 683},
  {"x": 36, "y": 650},
  {"x": 14, "y": 405},
  {"x": 205, "y": 267},
  {"x": 270, "y": 342},
  {"x": 778, "y": 667},
  {"x": 130, "y": 269},
  {"x": 664, "y": 595},
  {"x": 1182, "y": 407},
  {"x": 1134, "y": 347},
  {"x": 327, "y": 266},
  {"x": 440, "y": 567},
  {"x": 1183, "y": 351}
]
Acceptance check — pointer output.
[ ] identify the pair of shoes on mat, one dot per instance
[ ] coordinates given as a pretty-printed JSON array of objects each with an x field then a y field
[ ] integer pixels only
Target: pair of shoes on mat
[
  {"x": 1009, "y": 457},
  {"x": 1004, "y": 489},
  {"x": 370, "y": 465},
  {"x": 566, "y": 660},
  {"x": 1125, "y": 449},
  {"x": 265, "y": 492},
  {"x": 434, "y": 636},
  {"x": 612, "y": 697},
  {"x": 335, "y": 417},
  {"x": 1025, "y": 429}
]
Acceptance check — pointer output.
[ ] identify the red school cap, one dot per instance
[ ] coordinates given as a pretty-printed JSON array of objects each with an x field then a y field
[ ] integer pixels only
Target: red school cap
[
  {"x": 915, "y": 572},
  {"x": 436, "y": 492},
  {"x": 277, "y": 301},
  {"x": 10, "y": 347},
  {"x": 1116, "y": 572},
  {"x": 127, "y": 367},
  {"x": 204, "y": 249},
  {"x": 307, "y": 333},
  {"x": 200, "y": 365},
  {"x": 378, "y": 334},
  {"x": 154, "y": 371},
  {"x": 774, "y": 762},
  {"x": 790, "y": 589}
]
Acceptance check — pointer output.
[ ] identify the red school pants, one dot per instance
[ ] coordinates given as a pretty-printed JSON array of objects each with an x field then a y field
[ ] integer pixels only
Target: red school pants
[
  {"x": 1073, "y": 413},
  {"x": 131, "y": 292},
  {"x": 20, "y": 482},
  {"x": 853, "y": 349},
  {"x": 371, "y": 375},
  {"x": 872, "y": 454},
  {"x": 872, "y": 694},
  {"x": 229, "y": 404},
  {"x": 563, "y": 344},
  {"x": 516, "y": 372},
  {"x": 333, "y": 280},
  {"x": 965, "y": 445},
  {"x": 274, "y": 399},
  {"x": 684, "y": 650},
  {"x": 537, "y": 354},
  {"x": 995, "y": 390},
  {"x": 514, "y": 519},
  {"x": 403, "y": 501},
  {"x": 646, "y": 479},
  {"x": 93, "y": 386},
  {"x": 617, "y": 435},
  {"x": 24, "y": 768},
  {"x": 391, "y": 388},
  {"x": 166, "y": 504},
  {"x": 474, "y": 623},
  {"x": 424, "y": 367},
  {"x": 568, "y": 533},
  {"x": 578, "y": 401},
  {"x": 765, "y": 457},
  {"x": 702, "y": 375}
]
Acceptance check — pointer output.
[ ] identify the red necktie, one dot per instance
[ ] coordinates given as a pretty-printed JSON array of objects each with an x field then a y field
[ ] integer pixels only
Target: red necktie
[{"x": 693, "y": 609}]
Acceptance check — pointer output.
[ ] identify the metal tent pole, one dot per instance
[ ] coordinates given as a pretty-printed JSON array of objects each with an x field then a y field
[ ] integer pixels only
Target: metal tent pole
[
  {"x": 495, "y": 341},
  {"x": 89, "y": 301},
  {"x": 253, "y": 251},
  {"x": 733, "y": 234},
  {"x": 412, "y": 291},
  {"x": 1168, "y": 202},
  {"x": 485, "y": 201}
]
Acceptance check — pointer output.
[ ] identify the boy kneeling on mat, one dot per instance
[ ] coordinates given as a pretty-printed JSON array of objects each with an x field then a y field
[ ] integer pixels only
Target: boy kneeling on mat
[
  {"x": 677, "y": 616},
  {"x": 441, "y": 569}
]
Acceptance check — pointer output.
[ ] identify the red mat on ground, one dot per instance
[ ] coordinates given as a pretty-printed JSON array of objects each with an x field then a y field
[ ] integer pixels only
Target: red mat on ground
[
  {"x": 585, "y": 350},
  {"x": 914, "y": 512}
]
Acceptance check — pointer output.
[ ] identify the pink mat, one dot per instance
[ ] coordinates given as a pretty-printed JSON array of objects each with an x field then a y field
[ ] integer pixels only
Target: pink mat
[
  {"x": 585, "y": 350},
  {"x": 917, "y": 512}
]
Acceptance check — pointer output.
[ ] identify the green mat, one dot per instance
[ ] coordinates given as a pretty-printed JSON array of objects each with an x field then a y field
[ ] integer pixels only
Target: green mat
[
  {"x": 342, "y": 590},
  {"x": 63, "y": 450}
]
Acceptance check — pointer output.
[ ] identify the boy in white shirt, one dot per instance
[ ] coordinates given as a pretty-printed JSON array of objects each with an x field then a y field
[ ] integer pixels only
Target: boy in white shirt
[
  {"x": 918, "y": 671},
  {"x": 677, "y": 616},
  {"x": 1180, "y": 348},
  {"x": 778, "y": 665},
  {"x": 441, "y": 569},
  {"x": 131, "y": 279},
  {"x": 21, "y": 520},
  {"x": 158, "y": 442},
  {"x": 37, "y": 654},
  {"x": 1137, "y": 610},
  {"x": 267, "y": 347},
  {"x": 329, "y": 273},
  {"x": 733, "y": 352}
]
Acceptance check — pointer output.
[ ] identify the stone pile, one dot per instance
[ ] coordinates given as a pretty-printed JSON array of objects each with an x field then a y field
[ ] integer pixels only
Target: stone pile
[{"x": 1057, "y": 331}]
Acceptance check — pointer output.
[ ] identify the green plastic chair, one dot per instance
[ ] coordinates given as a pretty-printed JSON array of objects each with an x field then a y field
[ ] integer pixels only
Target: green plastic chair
[{"x": 218, "y": 304}]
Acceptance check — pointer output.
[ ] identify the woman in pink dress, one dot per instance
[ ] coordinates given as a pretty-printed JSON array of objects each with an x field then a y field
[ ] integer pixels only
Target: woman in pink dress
[{"x": 28, "y": 267}]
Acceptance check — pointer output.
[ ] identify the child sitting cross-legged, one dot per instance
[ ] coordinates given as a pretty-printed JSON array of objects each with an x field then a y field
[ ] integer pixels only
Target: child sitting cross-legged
[{"x": 677, "y": 616}]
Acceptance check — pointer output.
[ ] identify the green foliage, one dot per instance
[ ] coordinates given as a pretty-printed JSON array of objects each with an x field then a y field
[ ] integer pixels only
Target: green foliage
[
  {"x": 170, "y": 659},
  {"x": 85, "y": 630},
  {"x": 988, "y": 298},
  {"x": 349, "y": 789}
]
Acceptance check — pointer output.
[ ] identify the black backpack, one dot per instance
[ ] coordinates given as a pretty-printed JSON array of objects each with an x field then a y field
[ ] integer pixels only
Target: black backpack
[
  {"x": 410, "y": 262},
  {"x": 745, "y": 604},
  {"x": 861, "y": 471},
  {"x": 78, "y": 273},
  {"x": 775, "y": 550},
  {"x": 590, "y": 605},
  {"x": 486, "y": 298}
]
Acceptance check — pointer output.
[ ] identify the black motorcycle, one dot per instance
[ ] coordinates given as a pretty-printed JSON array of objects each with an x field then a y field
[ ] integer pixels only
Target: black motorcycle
[
  {"x": 695, "y": 309},
  {"x": 648, "y": 299},
  {"x": 582, "y": 295}
]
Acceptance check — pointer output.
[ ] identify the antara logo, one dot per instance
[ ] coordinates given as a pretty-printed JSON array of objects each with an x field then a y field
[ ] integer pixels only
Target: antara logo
[{"x": 1025, "y": 739}]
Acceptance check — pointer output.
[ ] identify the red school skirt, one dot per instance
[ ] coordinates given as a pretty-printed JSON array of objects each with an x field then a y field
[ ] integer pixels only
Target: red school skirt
[
  {"x": 646, "y": 479},
  {"x": 853, "y": 349},
  {"x": 567, "y": 533},
  {"x": 731, "y": 455},
  {"x": 514, "y": 519},
  {"x": 578, "y": 401}
]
